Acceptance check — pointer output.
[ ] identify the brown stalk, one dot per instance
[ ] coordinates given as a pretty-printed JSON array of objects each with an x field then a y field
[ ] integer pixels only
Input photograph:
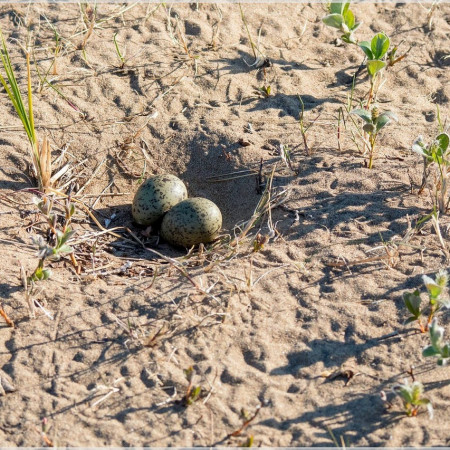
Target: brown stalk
[
  {"x": 3, "y": 314},
  {"x": 89, "y": 18},
  {"x": 246, "y": 422}
]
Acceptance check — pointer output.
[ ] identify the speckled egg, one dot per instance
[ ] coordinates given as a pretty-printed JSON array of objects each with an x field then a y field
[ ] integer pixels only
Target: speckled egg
[
  {"x": 156, "y": 196},
  {"x": 191, "y": 222}
]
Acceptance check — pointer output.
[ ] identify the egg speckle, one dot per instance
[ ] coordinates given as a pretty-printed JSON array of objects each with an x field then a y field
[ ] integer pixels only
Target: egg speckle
[
  {"x": 156, "y": 196},
  {"x": 191, "y": 222}
]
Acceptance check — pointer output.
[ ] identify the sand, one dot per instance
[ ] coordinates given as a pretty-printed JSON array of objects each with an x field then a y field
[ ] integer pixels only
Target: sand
[{"x": 263, "y": 331}]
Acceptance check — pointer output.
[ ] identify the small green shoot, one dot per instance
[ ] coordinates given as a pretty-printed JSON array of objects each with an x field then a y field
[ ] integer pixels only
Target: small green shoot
[
  {"x": 374, "y": 124},
  {"x": 259, "y": 242},
  {"x": 411, "y": 396},
  {"x": 437, "y": 298},
  {"x": 193, "y": 393},
  {"x": 437, "y": 152},
  {"x": 376, "y": 52},
  {"x": 392, "y": 57},
  {"x": 342, "y": 18},
  {"x": 264, "y": 91},
  {"x": 120, "y": 55},
  {"x": 438, "y": 347}
]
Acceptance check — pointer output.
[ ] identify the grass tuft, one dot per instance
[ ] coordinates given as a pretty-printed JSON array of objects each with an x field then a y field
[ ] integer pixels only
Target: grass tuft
[{"x": 40, "y": 155}]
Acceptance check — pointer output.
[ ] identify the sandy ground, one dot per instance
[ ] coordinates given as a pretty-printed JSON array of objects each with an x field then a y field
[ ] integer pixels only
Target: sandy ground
[{"x": 108, "y": 367}]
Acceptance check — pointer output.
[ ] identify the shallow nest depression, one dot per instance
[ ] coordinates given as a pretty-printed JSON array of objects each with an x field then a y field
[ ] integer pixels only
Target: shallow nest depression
[{"x": 289, "y": 329}]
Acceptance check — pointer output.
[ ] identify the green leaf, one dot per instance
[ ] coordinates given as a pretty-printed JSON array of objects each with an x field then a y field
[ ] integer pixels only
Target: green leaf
[
  {"x": 420, "y": 148},
  {"x": 15, "y": 95},
  {"x": 363, "y": 113},
  {"x": 430, "y": 351},
  {"x": 374, "y": 66},
  {"x": 196, "y": 393},
  {"x": 379, "y": 45},
  {"x": 356, "y": 26},
  {"x": 349, "y": 19},
  {"x": 334, "y": 20},
  {"x": 410, "y": 320},
  {"x": 384, "y": 119},
  {"x": 436, "y": 335},
  {"x": 412, "y": 302},
  {"x": 46, "y": 274},
  {"x": 338, "y": 7},
  {"x": 416, "y": 392},
  {"x": 434, "y": 290},
  {"x": 365, "y": 47},
  {"x": 65, "y": 249},
  {"x": 443, "y": 142},
  {"x": 445, "y": 351},
  {"x": 406, "y": 394},
  {"x": 66, "y": 236},
  {"x": 369, "y": 128},
  {"x": 348, "y": 38},
  {"x": 346, "y": 8}
]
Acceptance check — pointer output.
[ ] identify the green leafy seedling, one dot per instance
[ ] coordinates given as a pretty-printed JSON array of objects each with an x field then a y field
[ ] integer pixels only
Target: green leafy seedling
[
  {"x": 264, "y": 91},
  {"x": 438, "y": 347},
  {"x": 376, "y": 52},
  {"x": 342, "y": 18},
  {"x": 437, "y": 298},
  {"x": 411, "y": 396},
  {"x": 374, "y": 124},
  {"x": 437, "y": 152},
  {"x": 412, "y": 302}
]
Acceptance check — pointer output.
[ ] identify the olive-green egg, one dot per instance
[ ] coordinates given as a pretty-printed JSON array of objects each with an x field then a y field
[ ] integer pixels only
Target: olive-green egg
[
  {"x": 191, "y": 222},
  {"x": 156, "y": 196}
]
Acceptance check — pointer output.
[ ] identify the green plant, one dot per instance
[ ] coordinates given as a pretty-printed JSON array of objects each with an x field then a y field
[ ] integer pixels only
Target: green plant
[
  {"x": 304, "y": 129},
  {"x": 436, "y": 152},
  {"x": 342, "y": 18},
  {"x": 40, "y": 154},
  {"x": 192, "y": 393},
  {"x": 374, "y": 124},
  {"x": 264, "y": 90},
  {"x": 376, "y": 52},
  {"x": 50, "y": 249},
  {"x": 411, "y": 396},
  {"x": 247, "y": 419},
  {"x": 438, "y": 347},
  {"x": 437, "y": 298},
  {"x": 120, "y": 54},
  {"x": 259, "y": 56}
]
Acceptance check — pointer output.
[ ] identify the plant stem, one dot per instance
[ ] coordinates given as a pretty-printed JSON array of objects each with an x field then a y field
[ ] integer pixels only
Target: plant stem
[{"x": 372, "y": 139}]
